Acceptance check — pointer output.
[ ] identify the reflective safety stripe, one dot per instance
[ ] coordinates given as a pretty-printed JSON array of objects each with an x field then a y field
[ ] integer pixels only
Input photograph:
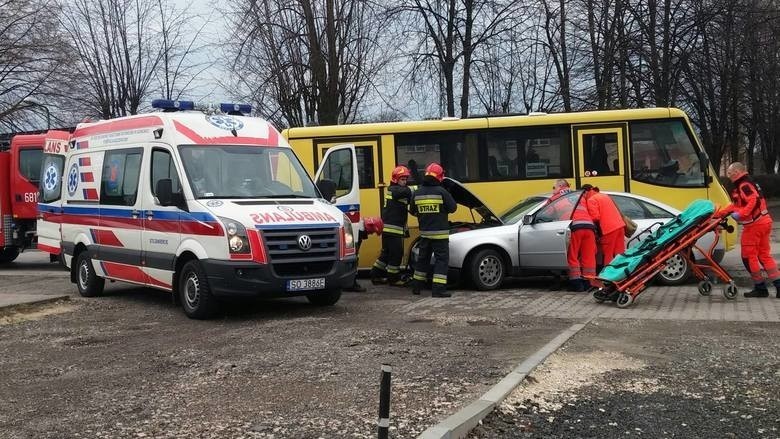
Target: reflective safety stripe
[
  {"x": 427, "y": 197},
  {"x": 435, "y": 234},
  {"x": 440, "y": 278},
  {"x": 389, "y": 228},
  {"x": 379, "y": 264},
  {"x": 392, "y": 269},
  {"x": 427, "y": 202},
  {"x": 389, "y": 197},
  {"x": 419, "y": 275}
]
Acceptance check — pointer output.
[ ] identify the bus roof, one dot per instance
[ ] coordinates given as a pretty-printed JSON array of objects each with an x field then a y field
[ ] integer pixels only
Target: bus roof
[{"x": 446, "y": 124}]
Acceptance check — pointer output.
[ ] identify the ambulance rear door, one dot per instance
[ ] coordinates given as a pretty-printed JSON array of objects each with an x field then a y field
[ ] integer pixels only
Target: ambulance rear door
[{"x": 49, "y": 224}]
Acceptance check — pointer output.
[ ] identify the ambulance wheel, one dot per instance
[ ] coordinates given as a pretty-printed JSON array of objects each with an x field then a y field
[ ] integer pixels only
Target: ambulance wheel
[
  {"x": 705, "y": 287},
  {"x": 487, "y": 270},
  {"x": 324, "y": 298},
  {"x": 624, "y": 300},
  {"x": 676, "y": 272},
  {"x": 8, "y": 254},
  {"x": 87, "y": 281},
  {"x": 194, "y": 292},
  {"x": 730, "y": 292}
]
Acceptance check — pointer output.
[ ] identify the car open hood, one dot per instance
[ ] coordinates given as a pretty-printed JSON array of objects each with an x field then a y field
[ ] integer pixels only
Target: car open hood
[{"x": 467, "y": 198}]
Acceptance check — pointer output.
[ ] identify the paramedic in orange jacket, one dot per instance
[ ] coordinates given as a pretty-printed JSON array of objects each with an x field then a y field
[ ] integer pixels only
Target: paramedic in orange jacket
[
  {"x": 609, "y": 222},
  {"x": 748, "y": 207},
  {"x": 581, "y": 252}
]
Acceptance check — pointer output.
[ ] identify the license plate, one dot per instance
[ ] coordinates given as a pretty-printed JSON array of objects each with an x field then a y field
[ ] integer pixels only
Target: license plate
[{"x": 306, "y": 284}]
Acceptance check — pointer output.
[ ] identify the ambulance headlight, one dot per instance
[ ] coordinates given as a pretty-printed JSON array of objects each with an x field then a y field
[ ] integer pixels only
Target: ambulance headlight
[{"x": 238, "y": 242}]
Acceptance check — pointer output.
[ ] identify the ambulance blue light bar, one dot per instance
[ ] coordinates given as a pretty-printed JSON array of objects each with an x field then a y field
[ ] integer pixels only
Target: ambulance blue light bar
[
  {"x": 236, "y": 109},
  {"x": 170, "y": 105}
]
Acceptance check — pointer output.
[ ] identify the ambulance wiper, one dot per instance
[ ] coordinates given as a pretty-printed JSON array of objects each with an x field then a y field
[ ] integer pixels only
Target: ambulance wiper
[{"x": 287, "y": 196}]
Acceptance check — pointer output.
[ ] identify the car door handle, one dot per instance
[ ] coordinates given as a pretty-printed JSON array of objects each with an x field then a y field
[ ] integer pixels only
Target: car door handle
[
  {"x": 135, "y": 214},
  {"x": 149, "y": 214},
  {"x": 561, "y": 232}
]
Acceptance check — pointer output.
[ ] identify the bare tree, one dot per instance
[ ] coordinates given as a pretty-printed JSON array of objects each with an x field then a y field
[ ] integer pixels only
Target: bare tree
[
  {"x": 118, "y": 51},
  {"x": 31, "y": 54},
  {"x": 307, "y": 62},
  {"x": 450, "y": 32},
  {"x": 178, "y": 68}
]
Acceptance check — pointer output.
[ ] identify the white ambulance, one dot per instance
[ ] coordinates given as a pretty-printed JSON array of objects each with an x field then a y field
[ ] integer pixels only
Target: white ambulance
[{"x": 204, "y": 206}]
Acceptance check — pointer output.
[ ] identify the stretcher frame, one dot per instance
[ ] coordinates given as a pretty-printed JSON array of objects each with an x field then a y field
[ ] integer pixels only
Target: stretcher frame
[{"x": 625, "y": 292}]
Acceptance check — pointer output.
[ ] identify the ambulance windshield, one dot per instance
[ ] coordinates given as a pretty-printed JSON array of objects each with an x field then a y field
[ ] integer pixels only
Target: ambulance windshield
[{"x": 217, "y": 171}]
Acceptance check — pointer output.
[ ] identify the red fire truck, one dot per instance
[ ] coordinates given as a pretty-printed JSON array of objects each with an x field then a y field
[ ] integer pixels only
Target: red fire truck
[{"x": 20, "y": 173}]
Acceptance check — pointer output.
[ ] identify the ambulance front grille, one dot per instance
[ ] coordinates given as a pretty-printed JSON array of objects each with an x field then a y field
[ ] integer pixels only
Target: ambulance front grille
[{"x": 289, "y": 260}]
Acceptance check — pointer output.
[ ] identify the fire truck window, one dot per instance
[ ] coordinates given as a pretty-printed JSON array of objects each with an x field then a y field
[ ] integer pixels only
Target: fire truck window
[
  {"x": 121, "y": 172},
  {"x": 163, "y": 167},
  {"x": 30, "y": 164}
]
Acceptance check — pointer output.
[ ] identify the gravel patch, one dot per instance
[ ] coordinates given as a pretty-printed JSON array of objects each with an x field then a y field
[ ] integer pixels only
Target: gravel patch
[{"x": 650, "y": 379}]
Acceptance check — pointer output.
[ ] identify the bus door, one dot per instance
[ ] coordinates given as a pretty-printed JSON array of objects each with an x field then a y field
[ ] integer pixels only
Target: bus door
[
  {"x": 601, "y": 156},
  {"x": 370, "y": 179}
]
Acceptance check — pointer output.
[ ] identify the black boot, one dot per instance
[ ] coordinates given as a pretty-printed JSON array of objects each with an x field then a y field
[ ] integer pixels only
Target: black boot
[
  {"x": 759, "y": 290},
  {"x": 578, "y": 285},
  {"x": 776, "y": 283},
  {"x": 441, "y": 293}
]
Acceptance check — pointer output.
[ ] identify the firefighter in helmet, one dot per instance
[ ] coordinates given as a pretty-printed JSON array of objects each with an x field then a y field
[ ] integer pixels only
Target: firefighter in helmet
[
  {"x": 387, "y": 267},
  {"x": 432, "y": 204}
]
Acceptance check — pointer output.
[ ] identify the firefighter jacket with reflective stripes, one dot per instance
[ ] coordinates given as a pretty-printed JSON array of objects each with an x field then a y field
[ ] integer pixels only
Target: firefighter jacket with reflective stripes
[
  {"x": 748, "y": 200},
  {"x": 432, "y": 204},
  {"x": 396, "y": 210}
]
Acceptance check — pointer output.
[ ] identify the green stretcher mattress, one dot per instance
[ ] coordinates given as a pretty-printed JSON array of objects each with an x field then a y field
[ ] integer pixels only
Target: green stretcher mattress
[{"x": 624, "y": 264}]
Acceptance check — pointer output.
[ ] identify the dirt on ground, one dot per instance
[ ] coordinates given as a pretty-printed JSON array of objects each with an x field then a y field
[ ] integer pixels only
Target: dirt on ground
[
  {"x": 658, "y": 379},
  {"x": 132, "y": 365}
]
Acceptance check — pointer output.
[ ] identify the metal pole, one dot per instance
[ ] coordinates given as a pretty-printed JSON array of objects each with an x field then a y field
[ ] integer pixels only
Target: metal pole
[{"x": 384, "y": 402}]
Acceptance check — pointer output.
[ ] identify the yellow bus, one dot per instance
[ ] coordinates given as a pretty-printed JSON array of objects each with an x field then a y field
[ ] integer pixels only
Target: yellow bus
[{"x": 652, "y": 152}]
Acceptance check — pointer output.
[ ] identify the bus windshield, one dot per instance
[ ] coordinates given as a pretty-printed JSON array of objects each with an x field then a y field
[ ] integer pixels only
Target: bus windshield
[
  {"x": 226, "y": 171},
  {"x": 664, "y": 154}
]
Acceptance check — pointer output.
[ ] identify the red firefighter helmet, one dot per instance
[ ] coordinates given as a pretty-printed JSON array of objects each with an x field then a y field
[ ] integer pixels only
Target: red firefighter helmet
[
  {"x": 435, "y": 170},
  {"x": 398, "y": 172}
]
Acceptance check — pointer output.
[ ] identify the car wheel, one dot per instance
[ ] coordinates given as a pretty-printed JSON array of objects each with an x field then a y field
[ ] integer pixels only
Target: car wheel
[
  {"x": 487, "y": 270},
  {"x": 324, "y": 298},
  {"x": 195, "y": 293},
  {"x": 8, "y": 255},
  {"x": 676, "y": 272},
  {"x": 87, "y": 281}
]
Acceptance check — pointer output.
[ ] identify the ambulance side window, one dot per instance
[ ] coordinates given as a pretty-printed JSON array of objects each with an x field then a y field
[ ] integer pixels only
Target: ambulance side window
[
  {"x": 163, "y": 167},
  {"x": 51, "y": 178},
  {"x": 121, "y": 173}
]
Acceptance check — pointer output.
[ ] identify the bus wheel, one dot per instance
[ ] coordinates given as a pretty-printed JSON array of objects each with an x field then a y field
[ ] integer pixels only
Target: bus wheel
[
  {"x": 87, "y": 281},
  {"x": 195, "y": 293},
  {"x": 324, "y": 298},
  {"x": 8, "y": 254},
  {"x": 487, "y": 270}
]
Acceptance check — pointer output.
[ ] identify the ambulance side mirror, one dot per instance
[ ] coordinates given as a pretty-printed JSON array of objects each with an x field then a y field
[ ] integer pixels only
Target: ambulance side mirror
[
  {"x": 164, "y": 191},
  {"x": 328, "y": 189},
  {"x": 528, "y": 220}
]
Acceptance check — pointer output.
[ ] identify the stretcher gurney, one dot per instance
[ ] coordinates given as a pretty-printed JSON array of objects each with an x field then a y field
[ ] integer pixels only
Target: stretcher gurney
[{"x": 629, "y": 273}]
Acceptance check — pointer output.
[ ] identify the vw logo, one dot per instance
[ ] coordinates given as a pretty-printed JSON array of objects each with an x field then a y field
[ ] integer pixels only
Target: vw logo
[{"x": 304, "y": 242}]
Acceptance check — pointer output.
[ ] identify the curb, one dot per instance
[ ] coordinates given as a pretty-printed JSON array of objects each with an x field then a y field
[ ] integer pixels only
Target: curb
[
  {"x": 24, "y": 304},
  {"x": 462, "y": 422}
]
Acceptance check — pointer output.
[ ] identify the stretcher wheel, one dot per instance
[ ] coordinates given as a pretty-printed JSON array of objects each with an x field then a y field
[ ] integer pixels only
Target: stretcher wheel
[
  {"x": 599, "y": 295},
  {"x": 730, "y": 292},
  {"x": 705, "y": 287},
  {"x": 624, "y": 300}
]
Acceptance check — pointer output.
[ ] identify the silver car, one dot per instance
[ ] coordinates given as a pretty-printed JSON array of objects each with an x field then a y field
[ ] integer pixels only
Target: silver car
[{"x": 530, "y": 239}]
